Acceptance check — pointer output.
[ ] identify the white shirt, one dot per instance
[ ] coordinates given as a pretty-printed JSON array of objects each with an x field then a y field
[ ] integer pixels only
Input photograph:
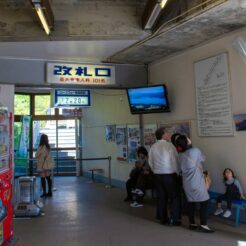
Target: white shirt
[{"x": 163, "y": 158}]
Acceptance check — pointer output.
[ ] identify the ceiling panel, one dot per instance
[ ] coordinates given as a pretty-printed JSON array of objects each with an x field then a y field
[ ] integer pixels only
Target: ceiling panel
[
  {"x": 82, "y": 51},
  {"x": 196, "y": 29}
]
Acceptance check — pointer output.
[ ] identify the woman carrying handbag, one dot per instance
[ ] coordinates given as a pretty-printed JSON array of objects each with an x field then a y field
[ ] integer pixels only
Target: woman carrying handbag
[
  {"x": 45, "y": 164},
  {"x": 194, "y": 183}
]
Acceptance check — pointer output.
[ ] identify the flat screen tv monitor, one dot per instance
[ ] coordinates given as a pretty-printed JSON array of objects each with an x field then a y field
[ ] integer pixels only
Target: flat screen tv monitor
[{"x": 151, "y": 99}]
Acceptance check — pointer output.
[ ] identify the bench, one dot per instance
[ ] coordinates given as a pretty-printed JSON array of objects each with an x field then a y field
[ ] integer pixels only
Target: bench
[
  {"x": 238, "y": 204},
  {"x": 92, "y": 170}
]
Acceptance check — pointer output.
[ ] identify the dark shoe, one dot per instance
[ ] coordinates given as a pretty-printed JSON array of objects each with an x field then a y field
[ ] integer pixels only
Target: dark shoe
[
  {"x": 193, "y": 227},
  {"x": 49, "y": 194},
  {"x": 205, "y": 230},
  {"x": 43, "y": 195}
]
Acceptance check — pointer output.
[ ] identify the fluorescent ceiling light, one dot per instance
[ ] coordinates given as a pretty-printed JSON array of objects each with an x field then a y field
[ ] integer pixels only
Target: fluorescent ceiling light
[
  {"x": 163, "y": 3},
  {"x": 44, "y": 12},
  {"x": 42, "y": 18},
  {"x": 152, "y": 12}
]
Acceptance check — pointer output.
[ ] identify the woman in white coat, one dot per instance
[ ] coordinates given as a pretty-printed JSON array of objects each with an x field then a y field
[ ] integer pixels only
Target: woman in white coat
[{"x": 45, "y": 164}]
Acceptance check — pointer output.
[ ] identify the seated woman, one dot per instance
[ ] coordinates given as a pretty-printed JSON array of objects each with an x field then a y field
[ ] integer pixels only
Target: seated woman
[{"x": 131, "y": 183}]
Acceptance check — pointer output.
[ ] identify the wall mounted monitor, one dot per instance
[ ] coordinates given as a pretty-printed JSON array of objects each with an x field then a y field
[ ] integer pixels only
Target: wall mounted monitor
[{"x": 148, "y": 99}]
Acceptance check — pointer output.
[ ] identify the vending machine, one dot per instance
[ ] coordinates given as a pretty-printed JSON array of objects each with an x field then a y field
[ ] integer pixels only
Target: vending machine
[{"x": 6, "y": 176}]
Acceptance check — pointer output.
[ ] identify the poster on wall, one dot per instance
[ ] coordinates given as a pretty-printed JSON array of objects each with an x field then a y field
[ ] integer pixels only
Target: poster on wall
[
  {"x": 213, "y": 104},
  {"x": 24, "y": 139},
  {"x": 178, "y": 127},
  {"x": 121, "y": 142},
  {"x": 133, "y": 134},
  {"x": 149, "y": 135},
  {"x": 240, "y": 122},
  {"x": 110, "y": 133}
]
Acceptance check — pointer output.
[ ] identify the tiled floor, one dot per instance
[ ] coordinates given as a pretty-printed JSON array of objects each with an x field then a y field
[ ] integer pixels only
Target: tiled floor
[{"x": 82, "y": 213}]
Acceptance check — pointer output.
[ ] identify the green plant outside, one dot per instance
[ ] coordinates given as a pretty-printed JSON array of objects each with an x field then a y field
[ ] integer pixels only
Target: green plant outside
[
  {"x": 42, "y": 104},
  {"x": 22, "y": 104}
]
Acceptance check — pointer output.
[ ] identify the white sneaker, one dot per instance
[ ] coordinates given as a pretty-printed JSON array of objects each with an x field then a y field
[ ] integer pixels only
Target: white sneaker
[
  {"x": 218, "y": 211},
  {"x": 227, "y": 214},
  {"x": 136, "y": 205},
  {"x": 139, "y": 192},
  {"x": 134, "y": 191}
]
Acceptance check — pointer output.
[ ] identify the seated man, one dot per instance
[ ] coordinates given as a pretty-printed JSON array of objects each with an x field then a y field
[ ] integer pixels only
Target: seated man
[
  {"x": 131, "y": 183},
  {"x": 144, "y": 182}
]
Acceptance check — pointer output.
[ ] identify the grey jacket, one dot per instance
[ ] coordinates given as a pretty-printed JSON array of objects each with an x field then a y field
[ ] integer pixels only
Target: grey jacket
[{"x": 192, "y": 173}]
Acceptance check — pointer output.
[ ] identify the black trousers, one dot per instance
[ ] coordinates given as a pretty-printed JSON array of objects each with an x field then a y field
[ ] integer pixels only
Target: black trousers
[
  {"x": 203, "y": 212},
  {"x": 144, "y": 182},
  {"x": 228, "y": 198},
  {"x": 132, "y": 182},
  {"x": 167, "y": 189}
]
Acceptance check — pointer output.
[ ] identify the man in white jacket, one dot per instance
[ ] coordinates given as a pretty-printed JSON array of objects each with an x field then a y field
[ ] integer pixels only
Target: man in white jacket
[{"x": 163, "y": 160}]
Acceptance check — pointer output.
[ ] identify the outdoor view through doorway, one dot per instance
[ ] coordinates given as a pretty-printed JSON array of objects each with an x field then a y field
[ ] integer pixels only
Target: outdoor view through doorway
[{"x": 34, "y": 117}]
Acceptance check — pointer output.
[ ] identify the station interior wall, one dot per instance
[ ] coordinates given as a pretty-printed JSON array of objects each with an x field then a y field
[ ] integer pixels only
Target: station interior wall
[{"x": 177, "y": 73}]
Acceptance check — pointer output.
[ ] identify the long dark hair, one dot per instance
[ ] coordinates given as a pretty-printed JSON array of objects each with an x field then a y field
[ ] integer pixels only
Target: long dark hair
[
  {"x": 44, "y": 141},
  {"x": 224, "y": 176},
  {"x": 174, "y": 138},
  {"x": 182, "y": 143}
]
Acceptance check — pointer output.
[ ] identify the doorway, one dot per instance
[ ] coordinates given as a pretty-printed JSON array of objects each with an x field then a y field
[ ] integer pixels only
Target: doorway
[{"x": 63, "y": 127}]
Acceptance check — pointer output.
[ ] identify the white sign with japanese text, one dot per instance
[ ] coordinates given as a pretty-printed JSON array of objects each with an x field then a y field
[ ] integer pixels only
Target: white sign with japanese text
[
  {"x": 213, "y": 100},
  {"x": 61, "y": 73}
]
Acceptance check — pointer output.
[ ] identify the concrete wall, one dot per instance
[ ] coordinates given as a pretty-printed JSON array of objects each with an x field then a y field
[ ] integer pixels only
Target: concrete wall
[
  {"x": 178, "y": 74},
  {"x": 74, "y": 20}
]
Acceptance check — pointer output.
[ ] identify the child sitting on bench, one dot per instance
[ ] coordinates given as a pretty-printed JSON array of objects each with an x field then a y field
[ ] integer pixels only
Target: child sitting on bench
[{"x": 233, "y": 191}]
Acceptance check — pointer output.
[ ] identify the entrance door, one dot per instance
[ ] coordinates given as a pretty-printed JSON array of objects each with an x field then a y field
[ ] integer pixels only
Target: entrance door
[{"x": 62, "y": 139}]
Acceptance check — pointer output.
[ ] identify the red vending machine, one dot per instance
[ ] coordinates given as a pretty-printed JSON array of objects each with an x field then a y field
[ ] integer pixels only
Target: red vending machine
[{"x": 6, "y": 176}]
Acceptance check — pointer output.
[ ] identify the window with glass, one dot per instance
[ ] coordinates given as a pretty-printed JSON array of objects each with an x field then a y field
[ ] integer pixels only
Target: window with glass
[
  {"x": 42, "y": 105},
  {"x": 22, "y": 104}
]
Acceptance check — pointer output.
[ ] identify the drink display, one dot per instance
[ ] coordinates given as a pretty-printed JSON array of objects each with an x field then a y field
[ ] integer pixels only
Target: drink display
[{"x": 6, "y": 176}]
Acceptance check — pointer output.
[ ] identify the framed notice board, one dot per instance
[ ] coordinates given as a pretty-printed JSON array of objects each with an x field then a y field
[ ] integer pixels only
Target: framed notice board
[{"x": 213, "y": 99}]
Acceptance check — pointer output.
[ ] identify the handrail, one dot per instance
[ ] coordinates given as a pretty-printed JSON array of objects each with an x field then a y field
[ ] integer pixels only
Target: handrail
[{"x": 79, "y": 159}]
